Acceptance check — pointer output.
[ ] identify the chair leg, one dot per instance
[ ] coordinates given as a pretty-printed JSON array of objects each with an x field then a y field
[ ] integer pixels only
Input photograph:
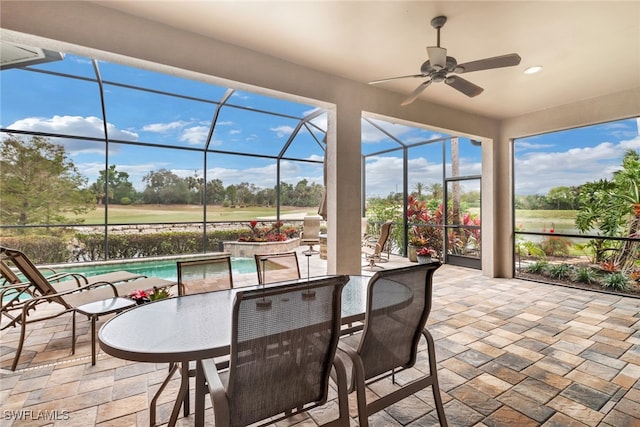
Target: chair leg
[
  {"x": 372, "y": 263},
  {"x": 433, "y": 373},
  {"x": 311, "y": 251},
  {"x": 73, "y": 333},
  {"x": 154, "y": 400},
  {"x": 23, "y": 332}
]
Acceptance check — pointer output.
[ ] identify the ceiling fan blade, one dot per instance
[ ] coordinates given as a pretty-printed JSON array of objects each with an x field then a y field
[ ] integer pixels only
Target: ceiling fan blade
[
  {"x": 396, "y": 78},
  {"x": 488, "y": 63},
  {"x": 416, "y": 92},
  {"x": 464, "y": 86}
]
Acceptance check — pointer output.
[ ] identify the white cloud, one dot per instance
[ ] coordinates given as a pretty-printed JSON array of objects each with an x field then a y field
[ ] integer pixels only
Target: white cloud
[
  {"x": 523, "y": 145},
  {"x": 195, "y": 135},
  {"x": 136, "y": 171},
  {"x": 265, "y": 176},
  {"x": 164, "y": 127},
  {"x": 184, "y": 173},
  {"x": 315, "y": 157},
  {"x": 72, "y": 125},
  {"x": 282, "y": 131}
]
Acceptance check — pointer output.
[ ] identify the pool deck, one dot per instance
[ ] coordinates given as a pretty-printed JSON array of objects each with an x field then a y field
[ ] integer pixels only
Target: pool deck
[{"x": 510, "y": 353}]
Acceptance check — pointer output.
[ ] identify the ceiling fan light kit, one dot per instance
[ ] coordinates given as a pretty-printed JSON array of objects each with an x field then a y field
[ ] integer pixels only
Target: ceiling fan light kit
[{"x": 439, "y": 67}]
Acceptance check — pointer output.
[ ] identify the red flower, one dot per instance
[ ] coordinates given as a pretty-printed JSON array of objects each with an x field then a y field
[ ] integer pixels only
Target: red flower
[
  {"x": 139, "y": 294},
  {"x": 253, "y": 224}
]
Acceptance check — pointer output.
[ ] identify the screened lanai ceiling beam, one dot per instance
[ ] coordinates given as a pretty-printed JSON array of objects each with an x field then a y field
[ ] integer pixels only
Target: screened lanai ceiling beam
[
  {"x": 417, "y": 144},
  {"x": 375, "y": 125},
  {"x": 313, "y": 135},
  {"x": 293, "y": 135},
  {"x": 290, "y": 140},
  {"x": 216, "y": 114}
]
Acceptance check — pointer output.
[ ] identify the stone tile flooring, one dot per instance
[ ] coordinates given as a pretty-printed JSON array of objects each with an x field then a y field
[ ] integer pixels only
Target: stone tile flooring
[{"x": 510, "y": 353}]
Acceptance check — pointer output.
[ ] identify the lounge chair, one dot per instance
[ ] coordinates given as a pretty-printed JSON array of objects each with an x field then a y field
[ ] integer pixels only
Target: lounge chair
[
  {"x": 278, "y": 369},
  {"x": 373, "y": 249},
  {"x": 59, "y": 281},
  {"x": 389, "y": 341},
  {"x": 310, "y": 234},
  {"x": 15, "y": 290},
  {"x": 74, "y": 295},
  {"x": 277, "y": 267}
]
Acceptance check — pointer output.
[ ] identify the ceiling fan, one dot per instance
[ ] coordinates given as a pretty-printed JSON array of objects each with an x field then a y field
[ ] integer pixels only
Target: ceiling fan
[{"x": 439, "y": 66}]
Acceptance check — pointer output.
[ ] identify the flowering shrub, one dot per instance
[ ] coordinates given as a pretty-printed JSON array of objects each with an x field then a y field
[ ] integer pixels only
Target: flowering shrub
[
  {"x": 424, "y": 224},
  {"x": 555, "y": 245},
  {"x": 272, "y": 233}
]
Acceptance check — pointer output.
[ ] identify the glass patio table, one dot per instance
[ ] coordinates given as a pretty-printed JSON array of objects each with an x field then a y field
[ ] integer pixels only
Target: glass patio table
[{"x": 196, "y": 327}]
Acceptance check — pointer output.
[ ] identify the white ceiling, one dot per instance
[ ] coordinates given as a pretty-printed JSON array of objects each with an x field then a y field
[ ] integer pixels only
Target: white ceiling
[{"x": 588, "y": 49}]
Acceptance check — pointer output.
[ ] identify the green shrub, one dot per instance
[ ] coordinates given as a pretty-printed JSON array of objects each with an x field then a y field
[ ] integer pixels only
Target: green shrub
[
  {"x": 122, "y": 246},
  {"x": 125, "y": 201},
  {"x": 616, "y": 281},
  {"x": 585, "y": 275},
  {"x": 40, "y": 249},
  {"x": 559, "y": 271},
  {"x": 538, "y": 267}
]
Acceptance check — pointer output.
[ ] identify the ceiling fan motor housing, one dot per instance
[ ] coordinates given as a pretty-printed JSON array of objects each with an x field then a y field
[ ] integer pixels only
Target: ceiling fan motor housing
[{"x": 451, "y": 65}]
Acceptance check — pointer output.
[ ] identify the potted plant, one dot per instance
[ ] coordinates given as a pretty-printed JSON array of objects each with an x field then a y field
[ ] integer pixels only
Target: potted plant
[
  {"x": 424, "y": 255},
  {"x": 415, "y": 243}
]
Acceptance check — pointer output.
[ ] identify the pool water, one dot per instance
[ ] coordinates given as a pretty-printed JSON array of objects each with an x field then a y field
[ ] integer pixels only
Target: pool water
[{"x": 164, "y": 269}]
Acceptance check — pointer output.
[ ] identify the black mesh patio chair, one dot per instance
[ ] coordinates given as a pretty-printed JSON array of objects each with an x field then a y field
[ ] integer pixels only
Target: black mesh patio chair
[
  {"x": 277, "y": 267},
  {"x": 204, "y": 275},
  {"x": 398, "y": 305},
  {"x": 196, "y": 276},
  {"x": 283, "y": 343}
]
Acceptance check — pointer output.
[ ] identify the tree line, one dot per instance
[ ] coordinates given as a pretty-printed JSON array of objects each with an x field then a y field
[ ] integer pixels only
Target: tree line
[
  {"x": 165, "y": 187},
  {"x": 40, "y": 184}
]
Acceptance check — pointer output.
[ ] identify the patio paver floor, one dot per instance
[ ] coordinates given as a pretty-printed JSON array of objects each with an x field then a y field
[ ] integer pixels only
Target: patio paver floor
[{"x": 510, "y": 353}]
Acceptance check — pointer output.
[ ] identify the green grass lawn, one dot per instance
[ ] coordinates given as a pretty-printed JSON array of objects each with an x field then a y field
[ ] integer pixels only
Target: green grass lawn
[
  {"x": 121, "y": 214},
  {"x": 526, "y": 220},
  {"x": 544, "y": 220}
]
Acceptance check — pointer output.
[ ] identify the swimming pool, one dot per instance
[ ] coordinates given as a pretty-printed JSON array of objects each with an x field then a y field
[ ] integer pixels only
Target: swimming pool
[{"x": 164, "y": 269}]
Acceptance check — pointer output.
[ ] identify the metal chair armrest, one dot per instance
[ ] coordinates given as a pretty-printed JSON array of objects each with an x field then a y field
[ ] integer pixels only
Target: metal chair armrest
[{"x": 217, "y": 392}]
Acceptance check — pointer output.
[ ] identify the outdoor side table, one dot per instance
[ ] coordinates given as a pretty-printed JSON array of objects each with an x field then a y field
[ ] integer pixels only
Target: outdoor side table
[{"x": 97, "y": 309}]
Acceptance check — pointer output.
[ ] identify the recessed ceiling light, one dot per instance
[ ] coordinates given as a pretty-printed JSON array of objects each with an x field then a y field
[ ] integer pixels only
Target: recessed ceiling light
[{"x": 533, "y": 70}]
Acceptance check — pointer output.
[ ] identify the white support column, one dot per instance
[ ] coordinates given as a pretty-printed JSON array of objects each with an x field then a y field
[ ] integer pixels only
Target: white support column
[
  {"x": 497, "y": 202},
  {"x": 344, "y": 190}
]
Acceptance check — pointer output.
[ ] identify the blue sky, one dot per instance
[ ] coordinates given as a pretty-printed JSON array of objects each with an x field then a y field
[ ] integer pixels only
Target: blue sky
[
  {"x": 574, "y": 156},
  {"x": 50, "y": 103}
]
